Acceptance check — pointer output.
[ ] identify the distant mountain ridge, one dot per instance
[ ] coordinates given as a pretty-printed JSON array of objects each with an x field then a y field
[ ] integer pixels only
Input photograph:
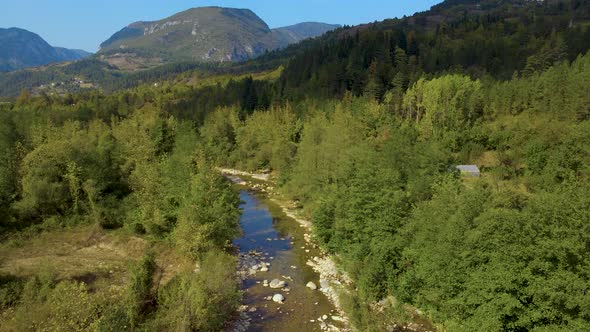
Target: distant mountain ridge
[
  {"x": 292, "y": 34},
  {"x": 342, "y": 60},
  {"x": 20, "y": 48},
  {"x": 208, "y": 34}
]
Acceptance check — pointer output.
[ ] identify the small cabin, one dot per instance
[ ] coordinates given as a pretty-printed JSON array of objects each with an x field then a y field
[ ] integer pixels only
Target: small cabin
[{"x": 469, "y": 170}]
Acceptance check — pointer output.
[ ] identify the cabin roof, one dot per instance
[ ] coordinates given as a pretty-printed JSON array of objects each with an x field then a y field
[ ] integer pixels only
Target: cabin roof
[{"x": 468, "y": 168}]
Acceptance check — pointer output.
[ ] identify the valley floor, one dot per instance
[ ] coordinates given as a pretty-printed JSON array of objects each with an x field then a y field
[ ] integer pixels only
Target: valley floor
[{"x": 338, "y": 283}]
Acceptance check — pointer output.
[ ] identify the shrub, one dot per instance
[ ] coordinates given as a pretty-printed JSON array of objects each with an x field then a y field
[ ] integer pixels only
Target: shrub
[
  {"x": 11, "y": 289},
  {"x": 139, "y": 289},
  {"x": 203, "y": 301}
]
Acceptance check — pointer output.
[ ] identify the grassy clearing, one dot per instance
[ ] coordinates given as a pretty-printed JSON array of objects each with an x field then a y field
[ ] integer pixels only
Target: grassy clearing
[
  {"x": 199, "y": 80},
  {"x": 72, "y": 254},
  {"x": 98, "y": 258}
]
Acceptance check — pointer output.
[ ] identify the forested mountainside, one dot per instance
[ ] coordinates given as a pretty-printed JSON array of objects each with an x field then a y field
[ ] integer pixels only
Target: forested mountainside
[
  {"x": 478, "y": 38},
  {"x": 363, "y": 129},
  {"x": 486, "y": 38}
]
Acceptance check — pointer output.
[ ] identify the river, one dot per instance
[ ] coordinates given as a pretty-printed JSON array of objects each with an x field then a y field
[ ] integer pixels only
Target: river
[{"x": 269, "y": 236}]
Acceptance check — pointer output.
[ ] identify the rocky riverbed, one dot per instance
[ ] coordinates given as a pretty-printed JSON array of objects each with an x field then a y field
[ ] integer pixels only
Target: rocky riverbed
[
  {"x": 276, "y": 256},
  {"x": 327, "y": 280}
]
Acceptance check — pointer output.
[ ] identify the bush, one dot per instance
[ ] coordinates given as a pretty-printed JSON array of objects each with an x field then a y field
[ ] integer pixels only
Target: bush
[
  {"x": 66, "y": 307},
  {"x": 139, "y": 289},
  {"x": 11, "y": 289},
  {"x": 114, "y": 320},
  {"x": 202, "y": 301},
  {"x": 208, "y": 218}
]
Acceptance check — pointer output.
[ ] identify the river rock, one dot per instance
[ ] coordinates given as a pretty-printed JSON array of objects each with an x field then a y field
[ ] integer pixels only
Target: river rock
[
  {"x": 311, "y": 285},
  {"x": 278, "y": 298},
  {"x": 276, "y": 283},
  {"x": 264, "y": 269}
]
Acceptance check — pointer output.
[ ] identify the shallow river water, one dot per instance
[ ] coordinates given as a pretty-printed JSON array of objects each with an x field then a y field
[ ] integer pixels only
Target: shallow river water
[{"x": 270, "y": 236}]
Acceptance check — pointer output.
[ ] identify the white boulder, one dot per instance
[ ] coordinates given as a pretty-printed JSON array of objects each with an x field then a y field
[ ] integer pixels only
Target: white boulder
[
  {"x": 276, "y": 283},
  {"x": 278, "y": 298}
]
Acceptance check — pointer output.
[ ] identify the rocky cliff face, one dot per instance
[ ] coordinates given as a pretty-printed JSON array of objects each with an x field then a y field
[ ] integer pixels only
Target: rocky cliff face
[{"x": 208, "y": 34}]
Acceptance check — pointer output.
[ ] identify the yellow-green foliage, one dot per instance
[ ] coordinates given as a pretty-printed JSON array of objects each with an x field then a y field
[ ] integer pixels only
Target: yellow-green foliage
[
  {"x": 67, "y": 306},
  {"x": 52, "y": 172},
  {"x": 141, "y": 169},
  {"x": 266, "y": 139},
  {"x": 442, "y": 104},
  {"x": 139, "y": 289},
  {"x": 200, "y": 80},
  {"x": 208, "y": 217},
  {"x": 200, "y": 301},
  {"x": 218, "y": 135}
]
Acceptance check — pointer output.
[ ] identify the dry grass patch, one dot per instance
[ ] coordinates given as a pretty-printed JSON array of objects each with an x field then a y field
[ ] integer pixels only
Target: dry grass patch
[{"x": 97, "y": 257}]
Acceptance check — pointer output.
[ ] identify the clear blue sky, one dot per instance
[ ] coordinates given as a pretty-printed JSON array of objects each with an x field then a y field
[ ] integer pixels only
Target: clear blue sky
[{"x": 85, "y": 24}]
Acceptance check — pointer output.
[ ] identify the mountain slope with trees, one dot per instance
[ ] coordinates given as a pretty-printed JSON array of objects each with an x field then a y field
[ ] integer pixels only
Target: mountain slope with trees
[{"x": 480, "y": 38}]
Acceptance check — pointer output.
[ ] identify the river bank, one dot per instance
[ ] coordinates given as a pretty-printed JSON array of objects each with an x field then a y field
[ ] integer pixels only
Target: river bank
[
  {"x": 328, "y": 280},
  {"x": 333, "y": 282}
]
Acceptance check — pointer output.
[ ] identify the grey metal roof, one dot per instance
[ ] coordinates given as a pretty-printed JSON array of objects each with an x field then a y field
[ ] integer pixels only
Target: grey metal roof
[{"x": 468, "y": 168}]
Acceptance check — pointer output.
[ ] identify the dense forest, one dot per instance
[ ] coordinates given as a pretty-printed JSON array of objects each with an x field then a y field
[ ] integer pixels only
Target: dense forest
[
  {"x": 507, "y": 252},
  {"x": 363, "y": 128},
  {"x": 141, "y": 174}
]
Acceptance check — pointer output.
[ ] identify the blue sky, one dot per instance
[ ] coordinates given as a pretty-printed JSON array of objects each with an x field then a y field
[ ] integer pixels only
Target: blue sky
[{"x": 85, "y": 24}]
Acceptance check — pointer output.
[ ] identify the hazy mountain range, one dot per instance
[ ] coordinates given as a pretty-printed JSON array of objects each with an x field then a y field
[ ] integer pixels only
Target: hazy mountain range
[
  {"x": 21, "y": 48},
  {"x": 207, "y": 34}
]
